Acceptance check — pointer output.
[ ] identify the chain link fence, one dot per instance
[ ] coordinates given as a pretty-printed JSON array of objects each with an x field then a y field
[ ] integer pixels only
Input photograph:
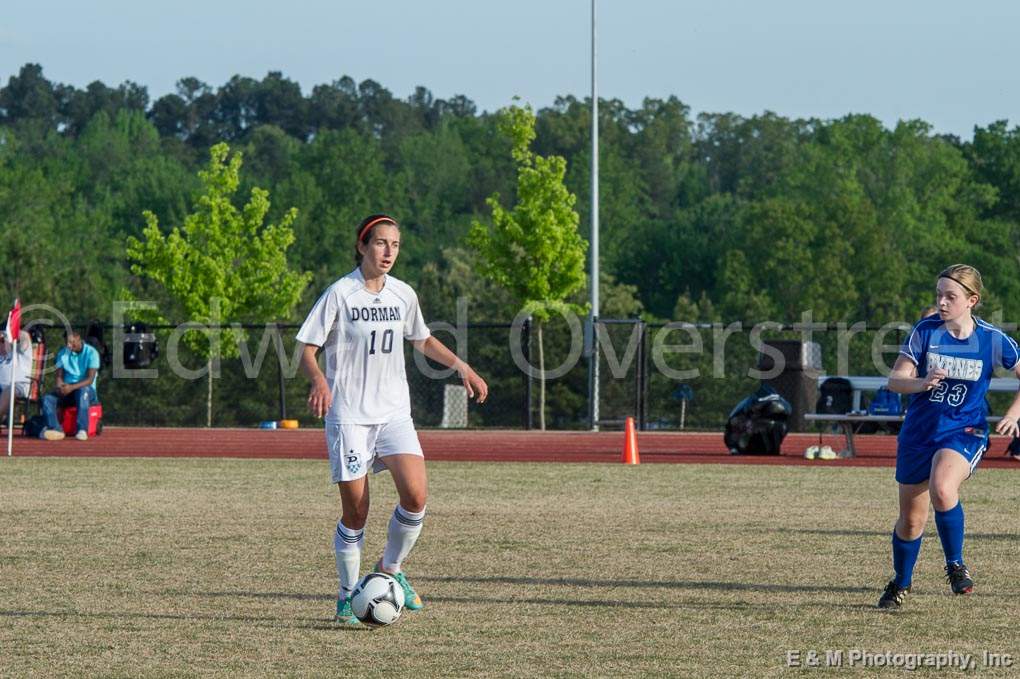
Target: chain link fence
[{"x": 666, "y": 376}]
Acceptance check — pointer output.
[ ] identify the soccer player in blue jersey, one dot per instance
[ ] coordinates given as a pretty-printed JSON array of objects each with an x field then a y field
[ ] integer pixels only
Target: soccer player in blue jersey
[{"x": 945, "y": 365}]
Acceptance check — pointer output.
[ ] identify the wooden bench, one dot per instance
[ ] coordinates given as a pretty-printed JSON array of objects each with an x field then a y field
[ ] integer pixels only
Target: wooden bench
[{"x": 850, "y": 422}]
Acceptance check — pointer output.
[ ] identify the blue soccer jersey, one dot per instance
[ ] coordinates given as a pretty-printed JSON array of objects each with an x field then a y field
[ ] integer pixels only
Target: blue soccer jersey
[{"x": 958, "y": 402}]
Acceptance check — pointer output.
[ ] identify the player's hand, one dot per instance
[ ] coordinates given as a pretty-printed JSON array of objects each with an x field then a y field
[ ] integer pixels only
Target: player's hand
[
  {"x": 475, "y": 385},
  {"x": 934, "y": 378},
  {"x": 320, "y": 398},
  {"x": 1008, "y": 426}
]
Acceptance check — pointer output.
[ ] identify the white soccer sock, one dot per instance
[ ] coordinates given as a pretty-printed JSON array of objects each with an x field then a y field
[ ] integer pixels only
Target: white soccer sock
[
  {"x": 347, "y": 545},
  {"x": 405, "y": 527}
]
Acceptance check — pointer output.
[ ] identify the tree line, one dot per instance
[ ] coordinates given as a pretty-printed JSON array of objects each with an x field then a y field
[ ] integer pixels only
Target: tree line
[{"x": 706, "y": 217}]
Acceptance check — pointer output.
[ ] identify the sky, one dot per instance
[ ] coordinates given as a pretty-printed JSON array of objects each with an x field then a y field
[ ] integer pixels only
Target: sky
[{"x": 952, "y": 64}]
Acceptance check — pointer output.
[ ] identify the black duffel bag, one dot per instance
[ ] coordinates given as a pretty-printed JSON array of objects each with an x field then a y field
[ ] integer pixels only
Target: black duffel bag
[
  {"x": 140, "y": 348},
  {"x": 759, "y": 423},
  {"x": 835, "y": 397}
]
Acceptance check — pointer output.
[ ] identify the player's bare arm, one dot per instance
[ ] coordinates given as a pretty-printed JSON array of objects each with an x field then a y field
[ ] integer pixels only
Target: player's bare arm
[
  {"x": 320, "y": 397},
  {"x": 904, "y": 380},
  {"x": 437, "y": 351},
  {"x": 1008, "y": 425}
]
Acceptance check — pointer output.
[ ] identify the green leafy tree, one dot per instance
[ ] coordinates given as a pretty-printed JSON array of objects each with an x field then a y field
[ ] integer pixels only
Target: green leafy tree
[
  {"x": 120, "y": 171},
  {"x": 223, "y": 264},
  {"x": 43, "y": 220},
  {"x": 534, "y": 251},
  {"x": 343, "y": 179},
  {"x": 995, "y": 157},
  {"x": 30, "y": 96}
]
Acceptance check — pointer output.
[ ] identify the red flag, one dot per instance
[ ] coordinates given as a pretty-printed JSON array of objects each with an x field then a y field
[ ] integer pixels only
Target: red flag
[{"x": 14, "y": 322}]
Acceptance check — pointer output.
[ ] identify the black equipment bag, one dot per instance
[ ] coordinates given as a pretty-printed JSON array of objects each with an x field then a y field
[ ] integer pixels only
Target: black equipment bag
[
  {"x": 94, "y": 336},
  {"x": 835, "y": 397},
  {"x": 34, "y": 426},
  {"x": 759, "y": 423},
  {"x": 140, "y": 348}
]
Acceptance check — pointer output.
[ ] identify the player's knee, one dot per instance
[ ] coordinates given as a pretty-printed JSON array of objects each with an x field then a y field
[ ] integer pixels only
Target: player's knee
[
  {"x": 944, "y": 495},
  {"x": 414, "y": 502},
  {"x": 942, "y": 504}
]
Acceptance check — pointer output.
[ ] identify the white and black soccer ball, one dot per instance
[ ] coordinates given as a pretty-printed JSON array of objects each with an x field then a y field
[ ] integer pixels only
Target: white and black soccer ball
[{"x": 377, "y": 600}]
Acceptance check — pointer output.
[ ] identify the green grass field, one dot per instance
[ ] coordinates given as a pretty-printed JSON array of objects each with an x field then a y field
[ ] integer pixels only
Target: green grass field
[{"x": 176, "y": 567}]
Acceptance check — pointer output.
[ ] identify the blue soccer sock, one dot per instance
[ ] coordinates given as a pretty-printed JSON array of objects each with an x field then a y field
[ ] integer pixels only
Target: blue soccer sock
[
  {"x": 904, "y": 556},
  {"x": 950, "y": 525}
]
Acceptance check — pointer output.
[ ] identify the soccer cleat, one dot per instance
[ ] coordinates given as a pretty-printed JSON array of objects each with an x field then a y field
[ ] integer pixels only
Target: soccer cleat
[
  {"x": 959, "y": 578},
  {"x": 82, "y": 435},
  {"x": 53, "y": 435},
  {"x": 412, "y": 601},
  {"x": 893, "y": 596},
  {"x": 344, "y": 614}
]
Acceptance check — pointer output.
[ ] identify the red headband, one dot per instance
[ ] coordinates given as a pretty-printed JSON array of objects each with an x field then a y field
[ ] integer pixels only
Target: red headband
[{"x": 372, "y": 223}]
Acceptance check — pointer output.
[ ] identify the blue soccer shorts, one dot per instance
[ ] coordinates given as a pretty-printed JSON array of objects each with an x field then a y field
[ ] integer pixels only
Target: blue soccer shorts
[{"x": 913, "y": 465}]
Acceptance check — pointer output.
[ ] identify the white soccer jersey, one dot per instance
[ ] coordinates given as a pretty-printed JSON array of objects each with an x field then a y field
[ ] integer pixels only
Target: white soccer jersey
[{"x": 361, "y": 333}]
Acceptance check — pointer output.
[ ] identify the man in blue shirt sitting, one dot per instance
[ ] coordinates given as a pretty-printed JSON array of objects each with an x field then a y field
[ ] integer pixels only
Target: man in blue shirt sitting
[{"x": 77, "y": 365}]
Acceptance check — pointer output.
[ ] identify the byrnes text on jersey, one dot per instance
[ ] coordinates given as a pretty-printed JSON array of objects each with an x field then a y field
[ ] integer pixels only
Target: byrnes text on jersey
[{"x": 969, "y": 369}]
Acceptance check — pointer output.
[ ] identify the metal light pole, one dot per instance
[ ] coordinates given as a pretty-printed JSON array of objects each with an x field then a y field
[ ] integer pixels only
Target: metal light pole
[{"x": 593, "y": 281}]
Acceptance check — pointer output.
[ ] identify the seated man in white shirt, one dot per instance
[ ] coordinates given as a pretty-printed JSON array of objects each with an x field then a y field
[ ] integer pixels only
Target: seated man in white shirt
[{"x": 21, "y": 369}]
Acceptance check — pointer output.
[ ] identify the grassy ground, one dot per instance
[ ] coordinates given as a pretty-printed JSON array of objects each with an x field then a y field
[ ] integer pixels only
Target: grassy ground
[{"x": 224, "y": 567}]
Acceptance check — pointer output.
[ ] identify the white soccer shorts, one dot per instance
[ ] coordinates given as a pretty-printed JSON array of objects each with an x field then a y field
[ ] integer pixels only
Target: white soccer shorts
[{"x": 353, "y": 448}]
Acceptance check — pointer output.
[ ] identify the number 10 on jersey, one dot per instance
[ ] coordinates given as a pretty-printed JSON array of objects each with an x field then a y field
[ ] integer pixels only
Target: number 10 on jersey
[{"x": 386, "y": 346}]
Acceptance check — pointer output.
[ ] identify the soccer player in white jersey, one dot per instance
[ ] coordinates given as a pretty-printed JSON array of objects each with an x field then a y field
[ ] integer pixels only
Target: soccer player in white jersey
[
  {"x": 360, "y": 321},
  {"x": 946, "y": 364}
]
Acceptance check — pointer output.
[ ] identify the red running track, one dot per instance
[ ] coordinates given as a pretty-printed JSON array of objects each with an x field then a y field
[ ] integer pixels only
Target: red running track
[{"x": 477, "y": 445}]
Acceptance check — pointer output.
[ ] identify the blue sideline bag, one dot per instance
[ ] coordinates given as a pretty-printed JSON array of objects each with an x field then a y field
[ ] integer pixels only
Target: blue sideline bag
[{"x": 885, "y": 403}]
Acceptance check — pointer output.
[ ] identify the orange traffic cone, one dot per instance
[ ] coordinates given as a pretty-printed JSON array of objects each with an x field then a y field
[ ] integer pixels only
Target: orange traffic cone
[{"x": 630, "y": 451}]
